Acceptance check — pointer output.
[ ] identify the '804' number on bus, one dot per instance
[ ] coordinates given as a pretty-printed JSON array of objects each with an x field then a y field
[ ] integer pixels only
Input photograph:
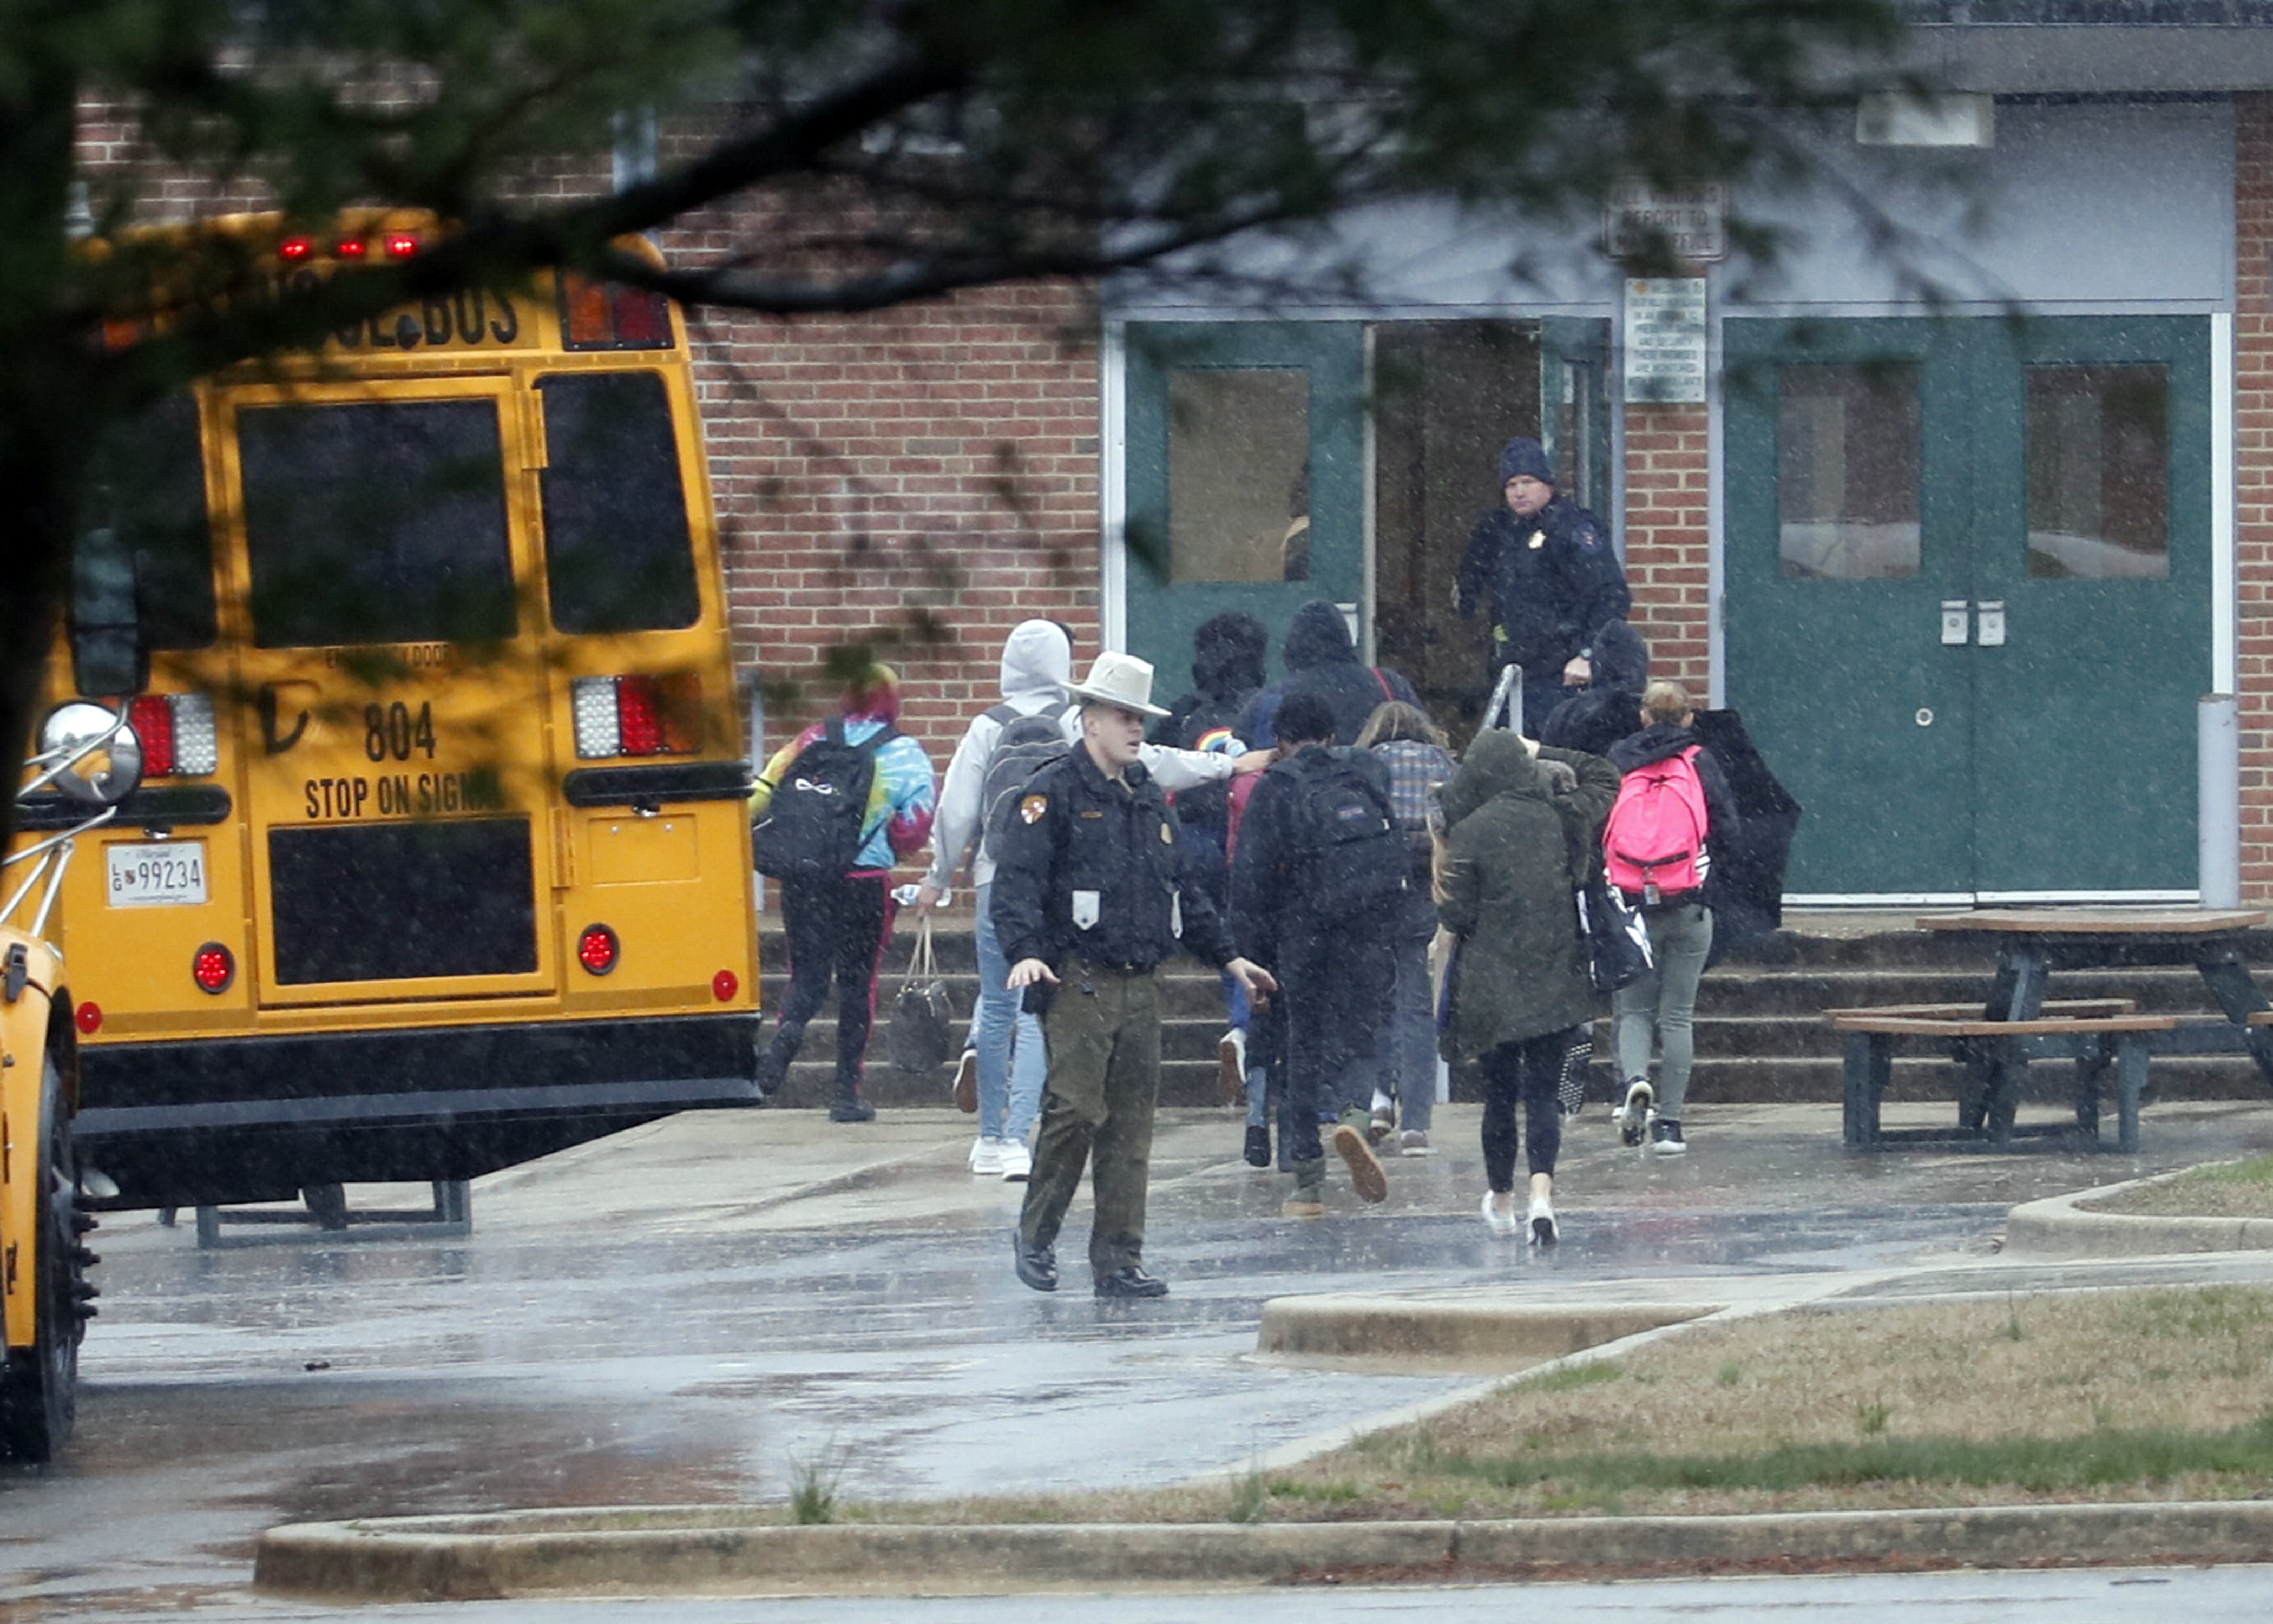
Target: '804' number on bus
[{"x": 392, "y": 731}]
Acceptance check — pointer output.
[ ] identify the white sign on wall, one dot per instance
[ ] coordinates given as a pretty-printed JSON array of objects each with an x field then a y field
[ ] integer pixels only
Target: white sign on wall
[
  {"x": 1692, "y": 221},
  {"x": 1665, "y": 338}
]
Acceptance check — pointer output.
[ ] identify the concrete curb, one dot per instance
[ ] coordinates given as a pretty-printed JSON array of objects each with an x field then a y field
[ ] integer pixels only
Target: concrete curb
[
  {"x": 708, "y": 1549},
  {"x": 1487, "y": 1334},
  {"x": 2059, "y": 1226}
]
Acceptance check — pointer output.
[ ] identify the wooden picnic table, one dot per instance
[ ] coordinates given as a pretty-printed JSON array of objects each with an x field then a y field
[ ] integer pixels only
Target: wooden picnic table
[{"x": 2030, "y": 944}]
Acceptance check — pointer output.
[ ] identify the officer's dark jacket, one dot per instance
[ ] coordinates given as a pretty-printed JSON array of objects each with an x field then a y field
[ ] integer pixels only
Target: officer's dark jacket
[
  {"x": 1550, "y": 598},
  {"x": 1267, "y": 901},
  {"x": 1075, "y": 830}
]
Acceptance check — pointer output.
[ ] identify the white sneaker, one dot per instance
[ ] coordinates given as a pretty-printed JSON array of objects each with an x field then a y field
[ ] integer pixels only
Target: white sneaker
[
  {"x": 987, "y": 1156},
  {"x": 1632, "y": 1118},
  {"x": 1017, "y": 1161},
  {"x": 1542, "y": 1222},
  {"x": 1502, "y": 1219}
]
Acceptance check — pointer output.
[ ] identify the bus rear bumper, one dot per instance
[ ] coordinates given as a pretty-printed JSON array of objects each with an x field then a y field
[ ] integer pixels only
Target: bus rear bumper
[{"x": 224, "y": 1121}]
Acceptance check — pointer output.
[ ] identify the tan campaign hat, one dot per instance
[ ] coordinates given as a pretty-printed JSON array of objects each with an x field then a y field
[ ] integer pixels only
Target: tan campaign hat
[{"x": 1122, "y": 681}]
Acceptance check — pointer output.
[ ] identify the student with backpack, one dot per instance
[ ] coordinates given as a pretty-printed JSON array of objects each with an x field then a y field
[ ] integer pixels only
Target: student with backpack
[
  {"x": 1319, "y": 880},
  {"x": 1004, "y": 746},
  {"x": 834, "y": 809},
  {"x": 1673, "y": 805},
  {"x": 1413, "y": 748},
  {"x": 1322, "y": 659}
]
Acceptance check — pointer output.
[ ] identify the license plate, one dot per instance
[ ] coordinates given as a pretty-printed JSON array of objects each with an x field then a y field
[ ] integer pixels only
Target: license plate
[{"x": 170, "y": 874}]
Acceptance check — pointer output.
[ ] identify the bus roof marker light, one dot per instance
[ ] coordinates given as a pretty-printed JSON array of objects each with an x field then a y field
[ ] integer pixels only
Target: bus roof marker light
[
  {"x": 214, "y": 968},
  {"x": 401, "y": 244},
  {"x": 597, "y": 949},
  {"x": 348, "y": 248},
  {"x": 293, "y": 250}
]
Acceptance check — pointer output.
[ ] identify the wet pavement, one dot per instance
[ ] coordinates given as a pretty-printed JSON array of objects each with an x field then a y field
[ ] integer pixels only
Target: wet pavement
[{"x": 707, "y": 1309}]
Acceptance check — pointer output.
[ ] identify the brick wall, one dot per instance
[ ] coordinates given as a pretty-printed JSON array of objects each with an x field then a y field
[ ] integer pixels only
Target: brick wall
[
  {"x": 2254, "y": 480},
  {"x": 1666, "y": 532},
  {"x": 918, "y": 480}
]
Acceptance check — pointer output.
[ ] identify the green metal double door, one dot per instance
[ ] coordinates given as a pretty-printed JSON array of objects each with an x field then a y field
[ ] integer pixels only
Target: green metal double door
[{"x": 1969, "y": 574}]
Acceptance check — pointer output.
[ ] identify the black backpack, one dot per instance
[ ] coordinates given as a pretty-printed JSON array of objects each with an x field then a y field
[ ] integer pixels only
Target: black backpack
[
  {"x": 1354, "y": 861},
  {"x": 812, "y": 829},
  {"x": 1027, "y": 745}
]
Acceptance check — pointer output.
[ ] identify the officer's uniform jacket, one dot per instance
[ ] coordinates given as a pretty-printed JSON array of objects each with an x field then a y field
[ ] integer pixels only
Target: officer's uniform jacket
[
  {"x": 1553, "y": 580},
  {"x": 1092, "y": 870}
]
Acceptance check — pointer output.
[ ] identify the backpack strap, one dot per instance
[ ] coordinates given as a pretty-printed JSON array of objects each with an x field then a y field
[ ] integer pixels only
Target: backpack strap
[
  {"x": 1004, "y": 714},
  {"x": 1382, "y": 678}
]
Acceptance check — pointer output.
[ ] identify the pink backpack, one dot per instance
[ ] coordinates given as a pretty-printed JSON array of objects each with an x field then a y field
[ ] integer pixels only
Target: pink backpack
[{"x": 1653, "y": 842}]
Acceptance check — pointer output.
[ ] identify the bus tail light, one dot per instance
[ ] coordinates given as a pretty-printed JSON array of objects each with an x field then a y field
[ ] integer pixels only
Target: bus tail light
[
  {"x": 177, "y": 733},
  {"x": 214, "y": 968},
  {"x": 597, "y": 949},
  {"x": 636, "y": 715},
  {"x": 725, "y": 984},
  {"x": 88, "y": 1016}
]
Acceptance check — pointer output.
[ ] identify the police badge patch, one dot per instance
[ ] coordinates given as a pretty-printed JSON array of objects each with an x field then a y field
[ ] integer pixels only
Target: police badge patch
[{"x": 1031, "y": 809}]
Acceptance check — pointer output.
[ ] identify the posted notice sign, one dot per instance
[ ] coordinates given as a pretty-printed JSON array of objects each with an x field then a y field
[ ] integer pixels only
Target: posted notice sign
[
  {"x": 1665, "y": 338},
  {"x": 1691, "y": 222}
]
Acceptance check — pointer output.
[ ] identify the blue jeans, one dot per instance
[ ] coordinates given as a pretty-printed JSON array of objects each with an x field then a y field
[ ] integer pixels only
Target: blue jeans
[
  {"x": 1011, "y": 1061},
  {"x": 1408, "y": 1050}
]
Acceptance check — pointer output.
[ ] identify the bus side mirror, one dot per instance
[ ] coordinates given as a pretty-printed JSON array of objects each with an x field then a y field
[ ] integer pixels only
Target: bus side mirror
[
  {"x": 99, "y": 756},
  {"x": 106, "y": 628}
]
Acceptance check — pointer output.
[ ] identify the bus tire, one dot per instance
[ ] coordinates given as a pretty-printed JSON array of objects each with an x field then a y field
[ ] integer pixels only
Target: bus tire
[{"x": 39, "y": 1390}]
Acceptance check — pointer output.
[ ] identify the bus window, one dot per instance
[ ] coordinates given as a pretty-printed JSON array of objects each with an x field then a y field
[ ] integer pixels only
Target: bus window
[
  {"x": 618, "y": 555},
  {"x": 376, "y": 522},
  {"x": 149, "y": 482}
]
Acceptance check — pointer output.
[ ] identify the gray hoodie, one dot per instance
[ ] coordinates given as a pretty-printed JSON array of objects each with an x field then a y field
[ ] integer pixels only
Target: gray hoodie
[{"x": 1037, "y": 665}]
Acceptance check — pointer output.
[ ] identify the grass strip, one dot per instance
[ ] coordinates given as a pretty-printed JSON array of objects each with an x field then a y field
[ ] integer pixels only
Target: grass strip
[
  {"x": 2036, "y": 1466},
  {"x": 2242, "y": 1189}
]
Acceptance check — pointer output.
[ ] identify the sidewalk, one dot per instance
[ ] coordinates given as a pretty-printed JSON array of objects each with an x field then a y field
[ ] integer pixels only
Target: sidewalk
[{"x": 1766, "y": 1211}]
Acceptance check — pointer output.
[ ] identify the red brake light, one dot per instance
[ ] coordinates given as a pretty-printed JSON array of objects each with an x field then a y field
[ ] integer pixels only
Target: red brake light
[
  {"x": 725, "y": 984},
  {"x": 639, "y": 712},
  {"x": 401, "y": 244},
  {"x": 597, "y": 949},
  {"x": 292, "y": 249},
  {"x": 152, "y": 718},
  {"x": 214, "y": 968},
  {"x": 88, "y": 1016}
]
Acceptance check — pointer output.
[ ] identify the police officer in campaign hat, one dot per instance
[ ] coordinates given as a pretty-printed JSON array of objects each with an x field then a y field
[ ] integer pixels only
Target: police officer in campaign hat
[
  {"x": 1090, "y": 896},
  {"x": 1552, "y": 576}
]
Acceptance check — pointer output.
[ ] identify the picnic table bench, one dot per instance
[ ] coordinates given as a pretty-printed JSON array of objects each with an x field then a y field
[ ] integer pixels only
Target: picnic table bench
[{"x": 1991, "y": 1043}]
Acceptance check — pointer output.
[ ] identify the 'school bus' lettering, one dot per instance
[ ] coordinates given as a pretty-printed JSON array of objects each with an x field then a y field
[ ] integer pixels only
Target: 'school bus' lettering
[{"x": 441, "y": 860}]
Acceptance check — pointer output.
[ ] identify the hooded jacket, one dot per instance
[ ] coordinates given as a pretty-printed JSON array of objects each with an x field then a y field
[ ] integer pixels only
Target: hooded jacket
[
  {"x": 1226, "y": 671},
  {"x": 1508, "y": 885},
  {"x": 901, "y": 791},
  {"x": 1037, "y": 665},
  {"x": 1604, "y": 713},
  {"x": 1322, "y": 659}
]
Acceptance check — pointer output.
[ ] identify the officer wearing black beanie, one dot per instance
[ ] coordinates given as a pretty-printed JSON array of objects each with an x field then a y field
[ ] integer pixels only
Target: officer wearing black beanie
[{"x": 1550, "y": 572}]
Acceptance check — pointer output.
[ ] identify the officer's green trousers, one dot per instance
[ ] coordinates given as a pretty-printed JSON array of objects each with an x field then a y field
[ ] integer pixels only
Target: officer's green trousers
[{"x": 1103, "y": 1033}]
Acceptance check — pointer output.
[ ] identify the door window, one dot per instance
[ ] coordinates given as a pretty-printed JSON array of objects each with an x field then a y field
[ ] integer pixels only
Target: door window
[
  {"x": 1847, "y": 472},
  {"x": 1239, "y": 458},
  {"x": 2099, "y": 473}
]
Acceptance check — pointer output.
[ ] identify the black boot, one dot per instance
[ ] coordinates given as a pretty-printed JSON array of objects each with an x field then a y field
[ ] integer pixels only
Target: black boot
[{"x": 848, "y": 1107}]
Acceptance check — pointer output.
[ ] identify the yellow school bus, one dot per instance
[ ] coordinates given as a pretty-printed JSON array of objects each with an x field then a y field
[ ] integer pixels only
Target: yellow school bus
[{"x": 440, "y": 860}]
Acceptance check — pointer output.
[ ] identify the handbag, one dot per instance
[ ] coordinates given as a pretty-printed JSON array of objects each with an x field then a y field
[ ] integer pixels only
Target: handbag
[
  {"x": 921, "y": 1038},
  {"x": 1615, "y": 935}
]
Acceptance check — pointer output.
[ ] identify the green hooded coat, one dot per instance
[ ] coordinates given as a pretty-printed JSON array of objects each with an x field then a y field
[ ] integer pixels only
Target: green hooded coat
[{"x": 1515, "y": 852}]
